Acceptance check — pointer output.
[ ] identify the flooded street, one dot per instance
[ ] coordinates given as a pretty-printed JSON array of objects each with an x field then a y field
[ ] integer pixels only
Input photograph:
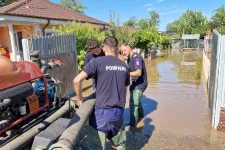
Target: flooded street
[{"x": 176, "y": 108}]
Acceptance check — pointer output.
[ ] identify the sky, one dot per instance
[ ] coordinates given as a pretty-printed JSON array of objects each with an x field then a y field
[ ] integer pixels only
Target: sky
[{"x": 169, "y": 10}]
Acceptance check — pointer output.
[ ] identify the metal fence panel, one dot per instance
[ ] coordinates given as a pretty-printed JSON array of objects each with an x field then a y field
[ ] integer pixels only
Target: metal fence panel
[
  {"x": 217, "y": 77},
  {"x": 223, "y": 70},
  {"x": 63, "y": 48},
  {"x": 213, "y": 70}
]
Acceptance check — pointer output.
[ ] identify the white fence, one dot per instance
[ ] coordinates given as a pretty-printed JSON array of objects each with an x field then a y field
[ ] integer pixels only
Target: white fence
[{"x": 217, "y": 77}]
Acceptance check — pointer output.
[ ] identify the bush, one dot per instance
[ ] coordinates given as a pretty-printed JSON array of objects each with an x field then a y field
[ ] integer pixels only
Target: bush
[
  {"x": 146, "y": 39},
  {"x": 83, "y": 33},
  {"x": 165, "y": 42}
]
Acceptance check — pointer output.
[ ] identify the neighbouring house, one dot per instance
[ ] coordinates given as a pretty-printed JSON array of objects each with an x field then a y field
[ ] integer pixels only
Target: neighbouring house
[{"x": 34, "y": 18}]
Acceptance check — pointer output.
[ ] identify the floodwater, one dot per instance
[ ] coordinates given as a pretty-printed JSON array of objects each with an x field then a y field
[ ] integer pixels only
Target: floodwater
[{"x": 176, "y": 108}]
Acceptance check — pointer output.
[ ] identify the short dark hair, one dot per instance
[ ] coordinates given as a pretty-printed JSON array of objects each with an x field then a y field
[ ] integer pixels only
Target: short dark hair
[
  {"x": 111, "y": 42},
  {"x": 92, "y": 43}
]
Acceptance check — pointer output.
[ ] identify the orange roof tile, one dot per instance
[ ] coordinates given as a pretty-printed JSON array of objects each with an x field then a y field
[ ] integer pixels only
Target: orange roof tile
[{"x": 45, "y": 9}]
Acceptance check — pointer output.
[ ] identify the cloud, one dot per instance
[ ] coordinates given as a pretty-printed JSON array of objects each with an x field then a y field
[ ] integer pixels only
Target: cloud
[
  {"x": 152, "y": 8},
  {"x": 158, "y": 1},
  {"x": 146, "y": 5}
]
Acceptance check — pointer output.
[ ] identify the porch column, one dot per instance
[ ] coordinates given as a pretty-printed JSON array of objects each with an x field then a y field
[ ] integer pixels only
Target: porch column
[{"x": 12, "y": 40}]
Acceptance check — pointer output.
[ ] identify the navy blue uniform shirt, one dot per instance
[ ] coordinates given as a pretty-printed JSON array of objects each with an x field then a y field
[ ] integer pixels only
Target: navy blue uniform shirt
[
  {"x": 137, "y": 62},
  {"x": 89, "y": 56},
  {"x": 111, "y": 77}
]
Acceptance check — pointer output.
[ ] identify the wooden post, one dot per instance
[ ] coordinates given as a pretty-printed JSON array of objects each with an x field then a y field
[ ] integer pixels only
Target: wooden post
[{"x": 12, "y": 40}]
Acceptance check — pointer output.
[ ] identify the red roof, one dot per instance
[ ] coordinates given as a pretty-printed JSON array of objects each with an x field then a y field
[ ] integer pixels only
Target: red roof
[{"x": 45, "y": 9}]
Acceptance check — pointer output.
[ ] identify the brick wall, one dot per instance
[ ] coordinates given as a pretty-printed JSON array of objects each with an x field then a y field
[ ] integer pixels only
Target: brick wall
[{"x": 221, "y": 126}]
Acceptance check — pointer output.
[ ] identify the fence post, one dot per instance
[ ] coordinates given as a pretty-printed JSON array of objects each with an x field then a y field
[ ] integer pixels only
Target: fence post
[{"x": 25, "y": 49}]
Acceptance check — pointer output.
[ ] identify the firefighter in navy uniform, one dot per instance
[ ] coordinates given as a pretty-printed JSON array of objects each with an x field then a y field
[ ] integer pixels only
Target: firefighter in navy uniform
[
  {"x": 112, "y": 79},
  {"x": 95, "y": 51},
  {"x": 138, "y": 73}
]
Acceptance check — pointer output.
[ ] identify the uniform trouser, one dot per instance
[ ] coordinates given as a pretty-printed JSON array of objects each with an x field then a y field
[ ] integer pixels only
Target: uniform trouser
[
  {"x": 106, "y": 123},
  {"x": 136, "y": 109}
]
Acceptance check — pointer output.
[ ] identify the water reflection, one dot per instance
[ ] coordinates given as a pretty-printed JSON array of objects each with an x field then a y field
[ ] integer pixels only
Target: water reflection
[{"x": 184, "y": 68}]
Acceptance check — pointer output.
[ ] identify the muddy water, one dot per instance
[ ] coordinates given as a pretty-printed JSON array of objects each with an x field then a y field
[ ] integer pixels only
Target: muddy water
[
  {"x": 176, "y": 109},
  {"x": 175, "y": 106}
]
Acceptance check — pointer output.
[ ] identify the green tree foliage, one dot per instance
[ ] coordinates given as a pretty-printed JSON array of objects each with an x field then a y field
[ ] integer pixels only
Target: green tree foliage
[
  {"x": 172, "y": 27},
  {"x": 152, "y": 21},
  {"x": 6, "y": 2},
  {"x": 191, "y": 22},
  {"x": 74, "y": 5},
  {"x": 165, "y": 42},
  {"x": 143, "y": 24},
  {"x": 83, "y": 33},
  {"x": 218, "y": 19},
  {"x": 121, "y": 33},
  {"x": 146, "y": 39},
  {"x": 132, "y": 22}
]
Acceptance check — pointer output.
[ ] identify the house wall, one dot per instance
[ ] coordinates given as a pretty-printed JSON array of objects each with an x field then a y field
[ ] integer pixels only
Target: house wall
[
  {"x": 1, "y": 35},
  {"x": 27, "y": 31},
  {"x": 4, "y": 38}
]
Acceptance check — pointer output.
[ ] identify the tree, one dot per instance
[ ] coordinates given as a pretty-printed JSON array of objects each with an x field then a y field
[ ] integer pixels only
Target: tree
[
  {"x": 191, "y": 22},
  {"x": 132, "y": 22},
  {"x": 154, "y": 19},
  {"x": 165, "y": 42},
  {"x": 6, "y": 2},
  {"x": 172, "y": 27},
  {"x": 74, "y": 5},
  {"x": 143, "y": 24},
  {"x": 121, "y": 33},
  {"x": 148, "y": 38},
  {"x": 218, "y": 19}
]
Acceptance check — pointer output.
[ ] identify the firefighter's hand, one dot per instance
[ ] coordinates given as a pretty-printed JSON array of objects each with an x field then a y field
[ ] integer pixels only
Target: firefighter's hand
[{"x": 80, "y": 101}]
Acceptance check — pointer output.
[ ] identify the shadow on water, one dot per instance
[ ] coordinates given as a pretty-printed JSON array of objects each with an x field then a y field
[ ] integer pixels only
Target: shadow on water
[{"x": 138, "y": 136}]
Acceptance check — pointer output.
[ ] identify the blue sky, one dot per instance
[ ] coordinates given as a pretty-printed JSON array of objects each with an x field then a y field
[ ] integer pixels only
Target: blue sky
[{"x": 169, "y": 10}]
